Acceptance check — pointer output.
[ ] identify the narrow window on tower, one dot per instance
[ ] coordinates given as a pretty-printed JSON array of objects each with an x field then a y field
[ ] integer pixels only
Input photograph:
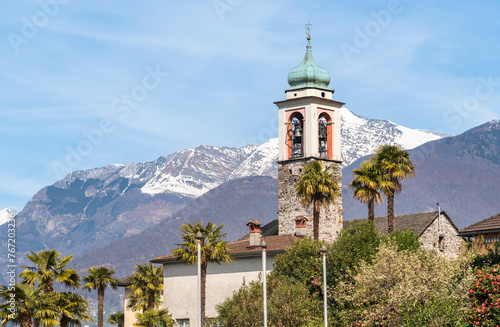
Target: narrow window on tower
[
  {"x": 297, "y": 136},
  {"x": 323, "y": 137}
]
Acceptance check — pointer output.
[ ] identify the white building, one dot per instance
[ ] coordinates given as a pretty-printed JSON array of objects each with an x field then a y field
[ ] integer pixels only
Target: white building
[{"x": 180, "y": 280}]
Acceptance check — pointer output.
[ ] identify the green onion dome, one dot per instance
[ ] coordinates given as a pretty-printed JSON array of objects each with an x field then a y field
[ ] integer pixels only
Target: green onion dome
[{"x": 308, "y": 74}]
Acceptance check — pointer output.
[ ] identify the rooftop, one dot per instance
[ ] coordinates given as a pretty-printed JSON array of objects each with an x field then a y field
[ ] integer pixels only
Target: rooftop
[
  {"x": 240, "y": 248},
  {"x": 418, "y": 222},
  {"x": 125, "y": 281},
  {"x": 486, "y": 226}
]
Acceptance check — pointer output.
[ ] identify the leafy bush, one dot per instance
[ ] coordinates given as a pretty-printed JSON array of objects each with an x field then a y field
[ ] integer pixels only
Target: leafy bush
[
  {"x": 484, "y": 298},
  {"x": 404, "y": 240},
  {"x": 486, "y": 255},
  {"x": 405, "y": 286},
  {"x": 302, "y": 263},
  {"x": 288, "y": 304},
  {"x": 244, "y": 308},
  {"x": 357, "y": 243}
]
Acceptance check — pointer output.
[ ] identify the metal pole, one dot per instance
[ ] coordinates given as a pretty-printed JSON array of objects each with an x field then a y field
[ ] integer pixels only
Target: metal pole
[
  {"x": 198, "y": 238},
  {"x": 264, "y": 246},
  {"x": 325, "y": 308},
  {"x": 439, "y": 218}
]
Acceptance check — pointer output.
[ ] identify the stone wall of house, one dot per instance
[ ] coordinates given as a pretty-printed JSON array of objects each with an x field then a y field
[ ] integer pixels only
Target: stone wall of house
[
  {"x": 449, "y": 244},
  {"x": 290, "y": 206}
]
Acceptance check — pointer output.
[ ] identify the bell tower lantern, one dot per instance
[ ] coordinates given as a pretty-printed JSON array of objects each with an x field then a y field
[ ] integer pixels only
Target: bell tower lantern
[{"x": 309, "y": 129}]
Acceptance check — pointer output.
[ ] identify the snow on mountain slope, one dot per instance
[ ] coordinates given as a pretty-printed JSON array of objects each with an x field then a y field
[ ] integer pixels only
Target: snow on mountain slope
[
  {"x": 192, "y": 172},
  {"x": 362, "y": 136},
  {"x": 261, "y": 162},
  {"x": 6, "y": 214}
]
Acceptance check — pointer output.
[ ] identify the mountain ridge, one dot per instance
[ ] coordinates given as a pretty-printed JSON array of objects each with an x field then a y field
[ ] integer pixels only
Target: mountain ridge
[
  {"x": 91, "y": 208},
  {"x": 460, "y": 172},
  {"x": 419, "y": 195}
]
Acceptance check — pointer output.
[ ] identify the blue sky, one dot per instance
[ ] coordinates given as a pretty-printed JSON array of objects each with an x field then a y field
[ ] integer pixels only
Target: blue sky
[{"x": 90, "y": 83}]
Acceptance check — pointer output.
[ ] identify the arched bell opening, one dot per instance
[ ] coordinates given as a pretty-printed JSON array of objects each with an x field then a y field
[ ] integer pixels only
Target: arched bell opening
[
  {"x": 325, "y": 147},
  {"x": 295, "y": 135}
]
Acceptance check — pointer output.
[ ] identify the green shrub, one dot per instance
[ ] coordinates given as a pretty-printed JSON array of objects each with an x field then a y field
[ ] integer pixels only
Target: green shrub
[
  {"x": 244, "y": 308},
  {"x": 403, "y": 286},
  {"x": 489, "y": 255},
  {"x": 404, "y": 240},
  {"x": 357, "y": 243},
  {"x": 436, "y": 312},
  {"x": 289, "y": 303},
  {"x": 302, "y": 263}
]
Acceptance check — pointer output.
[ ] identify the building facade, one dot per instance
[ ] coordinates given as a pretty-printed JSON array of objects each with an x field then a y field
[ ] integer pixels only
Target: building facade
[{"x": 180, "y": 280}]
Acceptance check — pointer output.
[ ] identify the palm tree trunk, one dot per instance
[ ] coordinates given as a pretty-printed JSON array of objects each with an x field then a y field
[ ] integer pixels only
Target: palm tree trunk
[
  {"x": 25, "y": 321},
  {"x": 203, "y": 289},
  {"x": 371, "y": 210},
  {"x": 100, "y": 307},
  {"x": 64, "y": 321},
  {"x": 49, "y": 287},
  {"x": 151, "y": 299},
  {"x": 316, "y": 211},
  {"x": 390, "y": 214}
]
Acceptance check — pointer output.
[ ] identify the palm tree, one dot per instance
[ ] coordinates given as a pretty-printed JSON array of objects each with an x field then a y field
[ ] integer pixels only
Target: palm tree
[
  {"x": 213, "y": 249},
  {"x": 317, "y": 187},
  {"x": 117, "y": 318},
  {"x": 147, "y": 281},
  {"x": 49, "y": 267},
  {"x": 25, "y": 306},
  {"x": 73, "y": 308},
  {"x": 394, "y": 162},
  {"x": 367, "y": 185},
  {"x": 154, "y": 318},
  {"x": 99, "y": 278}
]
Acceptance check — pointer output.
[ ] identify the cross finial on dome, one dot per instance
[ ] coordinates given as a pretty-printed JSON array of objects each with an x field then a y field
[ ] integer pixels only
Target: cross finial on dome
[
  {"x": 308, "y": 25},
  {"x": 308, "y": 74}
]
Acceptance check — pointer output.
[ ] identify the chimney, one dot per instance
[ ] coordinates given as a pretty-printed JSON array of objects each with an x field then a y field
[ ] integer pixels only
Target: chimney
[
  {"x": 301, "y": 226},
  {"x": 254, "y": 230}
]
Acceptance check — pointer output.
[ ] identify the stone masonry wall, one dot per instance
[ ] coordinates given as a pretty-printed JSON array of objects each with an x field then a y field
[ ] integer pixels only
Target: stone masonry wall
[
  {"x": 451, "y": 243},
  {"x": 290, "y": 206}
]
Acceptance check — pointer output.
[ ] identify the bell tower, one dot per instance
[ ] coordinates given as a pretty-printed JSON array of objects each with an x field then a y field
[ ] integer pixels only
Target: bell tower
[{"x": 309, "y": 129}]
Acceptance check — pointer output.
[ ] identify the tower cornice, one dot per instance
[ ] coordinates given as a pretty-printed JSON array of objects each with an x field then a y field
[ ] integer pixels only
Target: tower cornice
[{"x": 309, "y": 99}]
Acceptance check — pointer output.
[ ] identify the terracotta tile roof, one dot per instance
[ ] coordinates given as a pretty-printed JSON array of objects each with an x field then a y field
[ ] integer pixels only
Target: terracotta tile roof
[
  {"x": 485, "y": 226},
  {"x": 275, "y": 244},
  {"x": 416, "y": 221}
]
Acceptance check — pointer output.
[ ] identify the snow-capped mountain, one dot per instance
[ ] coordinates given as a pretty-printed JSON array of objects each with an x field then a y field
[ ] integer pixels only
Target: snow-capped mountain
[
  {"x": 192, "y": 172},
  {"x": 461, "y": 172},
  {"x": 361, "y": 136},
  {"x": 261, "y": 162},
  {"x": 5, "y": 215},
  {"x": 93, "y": 207}
]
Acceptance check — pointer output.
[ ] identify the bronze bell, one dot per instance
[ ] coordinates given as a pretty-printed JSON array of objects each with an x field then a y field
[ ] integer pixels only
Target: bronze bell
[{"x": 297, "y": 133}]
